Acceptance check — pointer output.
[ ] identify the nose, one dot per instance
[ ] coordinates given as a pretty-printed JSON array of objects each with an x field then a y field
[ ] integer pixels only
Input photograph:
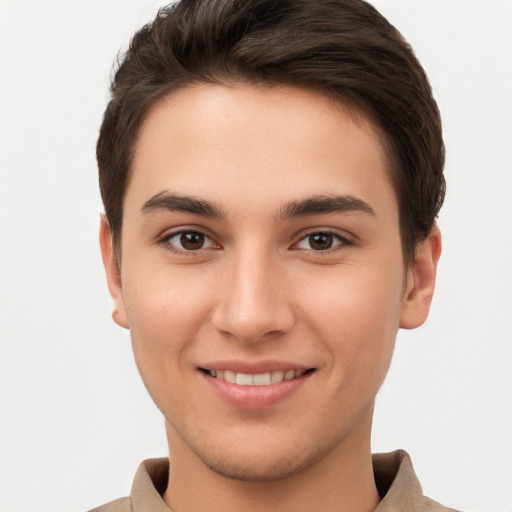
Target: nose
[{"x": 254, "y": 300}]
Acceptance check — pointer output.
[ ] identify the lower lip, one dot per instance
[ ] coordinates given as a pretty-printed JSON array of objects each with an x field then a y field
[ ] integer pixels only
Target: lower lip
[{"x": 255, "y": 397}]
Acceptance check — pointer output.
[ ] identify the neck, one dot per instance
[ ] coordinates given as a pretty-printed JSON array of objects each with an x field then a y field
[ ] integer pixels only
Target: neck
[{"x": 341, "y": 481}]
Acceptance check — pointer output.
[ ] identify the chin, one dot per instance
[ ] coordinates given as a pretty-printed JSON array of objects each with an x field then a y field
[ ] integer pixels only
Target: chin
[
  {"x": 242, "y": 470},
  {"x": 260, "y": 460}
]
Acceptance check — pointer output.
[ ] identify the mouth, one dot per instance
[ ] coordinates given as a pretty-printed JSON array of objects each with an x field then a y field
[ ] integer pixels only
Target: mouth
[
  {"x": 256, "y": 379},
  {"x": 255, "y": 385}
]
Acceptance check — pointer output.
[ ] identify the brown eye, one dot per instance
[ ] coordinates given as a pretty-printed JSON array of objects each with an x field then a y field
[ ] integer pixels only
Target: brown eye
[
  {"x": 320, "y": 241},
  {"x": 189, "y": 241},
  {"x": 192, "y": 241}
]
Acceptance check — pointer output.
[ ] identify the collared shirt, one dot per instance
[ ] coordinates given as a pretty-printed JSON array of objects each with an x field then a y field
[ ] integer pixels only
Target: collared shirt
[{"x": 394, "y": 476}]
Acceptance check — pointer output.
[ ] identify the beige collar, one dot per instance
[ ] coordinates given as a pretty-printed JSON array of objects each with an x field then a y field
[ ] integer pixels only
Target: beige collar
[{"x": 394, "y": 477}]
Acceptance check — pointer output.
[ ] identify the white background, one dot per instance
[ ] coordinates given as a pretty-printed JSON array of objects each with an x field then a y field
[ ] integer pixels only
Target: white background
[{"x": 75, "y": 418}]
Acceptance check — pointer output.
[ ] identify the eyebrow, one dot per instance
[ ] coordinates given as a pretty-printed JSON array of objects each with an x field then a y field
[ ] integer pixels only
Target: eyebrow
[
  {"x": 177, "y": 203},
  {"x": 316, "y": 205},
  {"x": 325, "y": 204}
]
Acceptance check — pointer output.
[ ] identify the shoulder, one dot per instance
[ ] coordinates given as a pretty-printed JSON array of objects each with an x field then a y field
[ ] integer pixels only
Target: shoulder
[
  {"x": 149, "y": 483},
  {"x": 428, "y": 505},
  {"x": 399, "y": 487},
  {"x": 120, "y": 505}
]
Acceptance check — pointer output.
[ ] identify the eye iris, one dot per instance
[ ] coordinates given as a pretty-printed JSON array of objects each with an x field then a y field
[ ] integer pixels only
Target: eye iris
[
  {"x": 192, "y": 241},
  {"x": 320, "y": 241}
]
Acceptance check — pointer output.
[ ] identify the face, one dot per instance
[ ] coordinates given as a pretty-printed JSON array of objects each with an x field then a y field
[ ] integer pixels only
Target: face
[{"x": 262, "y": 275}]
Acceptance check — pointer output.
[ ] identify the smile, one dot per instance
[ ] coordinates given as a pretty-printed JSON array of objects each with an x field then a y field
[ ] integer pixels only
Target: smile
[
  {"x": 258, "y": 389},
  {"x": 259, "y": 379}
]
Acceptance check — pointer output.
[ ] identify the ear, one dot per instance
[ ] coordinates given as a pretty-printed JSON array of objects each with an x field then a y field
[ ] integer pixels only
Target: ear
[
  {"x": 113, "y": 272},
  {"x": 421, "y": 280}
]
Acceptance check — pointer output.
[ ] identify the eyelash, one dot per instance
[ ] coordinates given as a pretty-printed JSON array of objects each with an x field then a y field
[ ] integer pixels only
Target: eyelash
[
  {"x": 166, "y": 240},
  {"x": 343, "y": 240}
]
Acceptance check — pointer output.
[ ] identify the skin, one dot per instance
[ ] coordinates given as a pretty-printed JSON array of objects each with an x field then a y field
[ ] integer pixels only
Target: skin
[{"x": 260, "y": 289}]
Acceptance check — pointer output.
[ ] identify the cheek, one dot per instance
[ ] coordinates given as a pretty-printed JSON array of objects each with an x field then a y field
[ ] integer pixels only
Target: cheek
[
  {"x": 168, "y": 301},
  {"x": 356, "y": 314},
  {"x": 165, "y": 311}
]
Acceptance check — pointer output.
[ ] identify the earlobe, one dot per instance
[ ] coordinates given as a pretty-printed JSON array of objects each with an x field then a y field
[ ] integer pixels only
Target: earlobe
[
  {"x": 421, "y": 280},
  {"x": 113, "y": 273}
]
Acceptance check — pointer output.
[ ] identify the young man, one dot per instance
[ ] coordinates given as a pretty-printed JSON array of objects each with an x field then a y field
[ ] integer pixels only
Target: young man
[{"x": 271, "y": 172}]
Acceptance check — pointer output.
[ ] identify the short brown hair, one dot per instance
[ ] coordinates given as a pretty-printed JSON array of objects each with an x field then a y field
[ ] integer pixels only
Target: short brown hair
[{"x": 344, "y": 48}]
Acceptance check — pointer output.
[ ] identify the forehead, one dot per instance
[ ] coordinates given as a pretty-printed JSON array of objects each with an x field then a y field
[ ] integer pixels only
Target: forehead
[{"x": 260, "y": 142}]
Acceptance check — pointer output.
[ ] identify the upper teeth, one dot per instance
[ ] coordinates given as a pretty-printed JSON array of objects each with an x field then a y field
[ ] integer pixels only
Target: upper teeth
[{"x": 260, "y": 379}]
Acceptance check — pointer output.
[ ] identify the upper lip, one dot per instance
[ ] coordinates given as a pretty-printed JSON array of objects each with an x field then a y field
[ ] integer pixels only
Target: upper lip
[{"x": 254, "y": 367}]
